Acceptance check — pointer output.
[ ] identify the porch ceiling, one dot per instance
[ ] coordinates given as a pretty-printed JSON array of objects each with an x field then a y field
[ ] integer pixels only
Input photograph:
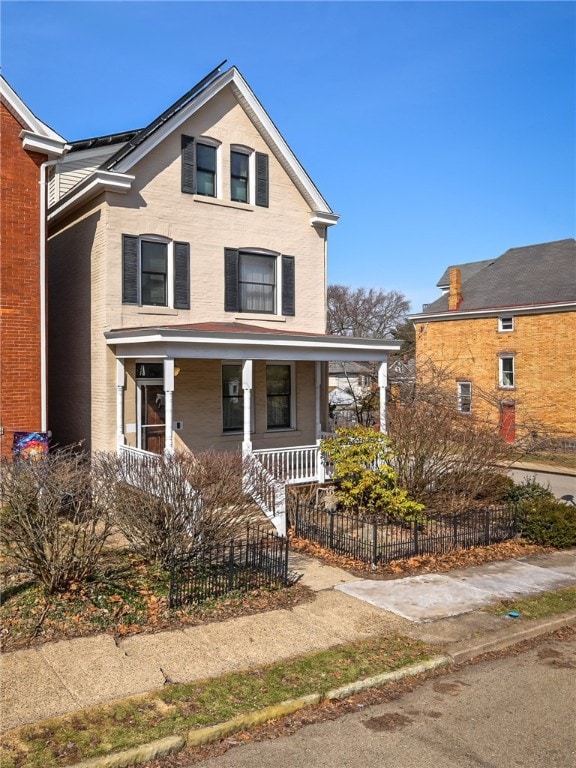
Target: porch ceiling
[{"x": 242, "y": 341}]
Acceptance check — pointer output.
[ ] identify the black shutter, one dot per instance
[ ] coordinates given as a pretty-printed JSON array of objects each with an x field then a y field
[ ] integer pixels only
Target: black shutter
[
  {"x": 188, "y": 163},
  {"x": 261, "y": 179},
  {"x": 231, "y": 303},
  {"x": 288, "y": 286},
  {"x": 182, "y": 275},
  {"x": 129, "y": 269}
]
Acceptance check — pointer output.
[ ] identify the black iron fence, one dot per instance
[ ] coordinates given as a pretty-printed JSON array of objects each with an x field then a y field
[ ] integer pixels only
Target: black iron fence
[
  {"x": 258, "y": 560},
  {"x": 383, "y": 541}
]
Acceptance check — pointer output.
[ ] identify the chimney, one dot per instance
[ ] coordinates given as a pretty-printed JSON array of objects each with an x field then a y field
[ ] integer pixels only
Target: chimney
[{"x": 455, "y": 291}]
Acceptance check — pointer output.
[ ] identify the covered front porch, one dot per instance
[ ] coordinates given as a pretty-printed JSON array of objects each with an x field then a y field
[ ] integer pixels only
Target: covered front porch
[{"x": 234, "y": 387}]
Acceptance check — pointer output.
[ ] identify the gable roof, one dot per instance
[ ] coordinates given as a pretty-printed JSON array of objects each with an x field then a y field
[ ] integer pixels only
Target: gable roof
[
  {"x": 527, "y": 277},
  {"x": 36, "y": 135},
  {"x": 466, "y": 270},
  {"x": 138, "y": 144}
]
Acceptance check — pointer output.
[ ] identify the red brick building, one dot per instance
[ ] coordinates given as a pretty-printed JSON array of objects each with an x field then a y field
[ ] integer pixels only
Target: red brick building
[{"x": 26, "y": 146}]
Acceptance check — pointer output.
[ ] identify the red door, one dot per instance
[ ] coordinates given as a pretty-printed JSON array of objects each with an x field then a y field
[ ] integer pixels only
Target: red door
[
  {"x": 153, "y": 418},
  {"x": 508, "y": 422}
]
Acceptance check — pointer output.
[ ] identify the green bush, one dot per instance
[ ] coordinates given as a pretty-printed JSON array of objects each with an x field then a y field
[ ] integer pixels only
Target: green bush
[
  {"x": 548, "y": 522},
  {"x": 365, "y": 478},
  {"x": 528, "y": 490}
]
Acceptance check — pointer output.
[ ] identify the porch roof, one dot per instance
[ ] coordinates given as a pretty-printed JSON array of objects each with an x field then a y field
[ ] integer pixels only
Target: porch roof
[{"x": 240, "y": 340}]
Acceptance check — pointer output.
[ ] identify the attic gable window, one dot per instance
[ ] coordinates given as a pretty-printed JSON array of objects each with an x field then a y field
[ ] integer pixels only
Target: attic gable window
[
  {"x": 506, "y": 323},
  {"x": 205, "y": 170},
  {"x": 155, "y": 272},
  {"x": 239, "y": 176}
]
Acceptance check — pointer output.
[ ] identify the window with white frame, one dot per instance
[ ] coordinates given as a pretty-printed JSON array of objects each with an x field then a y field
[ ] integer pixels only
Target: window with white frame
[
  {"x": 464, "y": 396},
  {"x": 506, "y": 371},
  {"x": 259, "y": 281},
  {"x": 279, "y": 401},
  {"x": 506, "y": 323},
  {"x": 240, "y": 175},
  {"x": 155, "y": 272},
  {"x": 232, "y": 398},
  {"x": 206, "y": 170}
]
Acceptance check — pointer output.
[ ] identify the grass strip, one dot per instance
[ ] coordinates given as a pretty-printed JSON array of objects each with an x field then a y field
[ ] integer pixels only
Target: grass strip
[
  {"x": 176, "y": 709},
  {"x": 539, "y": 606}
]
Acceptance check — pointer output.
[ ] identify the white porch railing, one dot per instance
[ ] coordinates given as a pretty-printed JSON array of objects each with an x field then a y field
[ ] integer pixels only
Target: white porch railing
[
  {"x": 299, "y": 464},
  {"x": 265, "y": 476}
]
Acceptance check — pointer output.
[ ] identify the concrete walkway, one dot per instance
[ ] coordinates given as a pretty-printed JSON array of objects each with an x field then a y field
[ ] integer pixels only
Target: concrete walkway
[{"x": 62, "y": 677}]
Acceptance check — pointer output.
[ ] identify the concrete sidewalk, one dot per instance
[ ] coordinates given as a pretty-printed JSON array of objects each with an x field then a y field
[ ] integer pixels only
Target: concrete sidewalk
[{"x": 59, "y": 678}]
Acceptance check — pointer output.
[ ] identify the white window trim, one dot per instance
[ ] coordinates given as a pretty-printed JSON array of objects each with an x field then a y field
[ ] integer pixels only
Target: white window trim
[
  {"x": 501, "y": 321},
  {"x": 461, "y": 397},
  {"x": 277, "y": 278},
  {"x": 208, "y": 142},
  {"x": 501, "y": 357},
  {"x": 292, "y": 426},
  {"x": 169, "y": 271},
  {"x": 241, "y": 149}
]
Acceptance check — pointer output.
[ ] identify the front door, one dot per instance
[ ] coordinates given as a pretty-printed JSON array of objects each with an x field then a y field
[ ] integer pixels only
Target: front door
[
  {"x": 153, "y": 417},
  {"x": 508, "y": 422}
]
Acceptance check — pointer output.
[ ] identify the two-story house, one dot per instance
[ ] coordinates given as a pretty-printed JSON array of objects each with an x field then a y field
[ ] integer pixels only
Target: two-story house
[
  {"x": 503, "y": 332},
  {"x": 187, "y": 273},
  {"x": 27, "y": 148}
]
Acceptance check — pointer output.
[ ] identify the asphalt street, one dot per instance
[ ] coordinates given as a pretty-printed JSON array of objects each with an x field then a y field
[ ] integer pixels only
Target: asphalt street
[
  {"x": 562, "y": 486},
  {"x": 518, "y": 710}
]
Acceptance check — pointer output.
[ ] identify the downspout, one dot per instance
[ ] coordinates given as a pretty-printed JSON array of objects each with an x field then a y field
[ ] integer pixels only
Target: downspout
[{"x": 43, "y": 303}]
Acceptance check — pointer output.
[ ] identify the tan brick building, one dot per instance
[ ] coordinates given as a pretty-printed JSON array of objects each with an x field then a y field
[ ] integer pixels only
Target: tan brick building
[
  {"x": 187, "y": 275},
  {"x": 504, "y": 335},
  {"x": 27, "y": 145}
]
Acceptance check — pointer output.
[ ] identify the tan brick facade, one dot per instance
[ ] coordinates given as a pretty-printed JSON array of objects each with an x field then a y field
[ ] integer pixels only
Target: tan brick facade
[
  {"x": 20, "y": 338},
  {"x": 87, "y": 250},
  {"x": 543, "y": 348}
]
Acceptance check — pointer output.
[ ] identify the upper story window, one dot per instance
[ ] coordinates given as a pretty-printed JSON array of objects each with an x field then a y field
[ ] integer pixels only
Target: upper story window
[
  {"x": 201, "y": 171},
  {"x": 506, "y": 323},
  {"x": 239, "y": 176},
  {"x": 155, "y": 272},
  {"x": 257, "y": 280},
  {"x": 205, "y": 170},
  {"x": 257, "y": 283},
  {"x": 506, "y": 371},
  {"x": 464, "y": 396}
]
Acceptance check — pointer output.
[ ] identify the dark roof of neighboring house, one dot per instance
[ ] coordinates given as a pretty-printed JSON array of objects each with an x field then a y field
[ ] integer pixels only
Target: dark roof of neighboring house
[
  {"x": 103, "y": 141},
  {"x": 531, "y": 275},
  {"x": 467, "y": 271}
]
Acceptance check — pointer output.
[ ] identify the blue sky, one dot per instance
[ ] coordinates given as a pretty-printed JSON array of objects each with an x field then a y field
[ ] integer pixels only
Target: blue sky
[{"x": 442, "y": 132}]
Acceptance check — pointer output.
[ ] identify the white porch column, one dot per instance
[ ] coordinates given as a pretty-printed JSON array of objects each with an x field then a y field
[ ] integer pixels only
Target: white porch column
[
  {"x": 168, "y": 404},
  {"x": 382, "y": 383},
  {"x": 318, "y": 384},
  {"x": 247, "y": 391},
  {"x": 120, "y": 439}
]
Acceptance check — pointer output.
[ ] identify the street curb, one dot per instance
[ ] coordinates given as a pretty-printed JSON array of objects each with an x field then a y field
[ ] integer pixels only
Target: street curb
[
  {"x": 461, "y": 653},
  {"x": 142, "y": 754},
  {"x": 505, "y": 638}
]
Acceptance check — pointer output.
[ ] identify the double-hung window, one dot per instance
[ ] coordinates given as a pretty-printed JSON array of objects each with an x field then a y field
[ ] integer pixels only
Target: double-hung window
[
  {"x": 239, "y": 176},
  {"x": 155, "y": 272},
  {"x": 232, "y": 398},
  {"x": 506, "y": 371},
  {"x": 205, "y": 170},
  {"x": 464, "y": 396},
  {"x": 279, "y": 395},
  {"x": 506, "y": 323},
  {"x": 259, "y": 281}
]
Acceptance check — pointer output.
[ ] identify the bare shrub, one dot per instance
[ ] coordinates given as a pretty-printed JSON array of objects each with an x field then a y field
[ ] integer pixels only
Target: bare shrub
[
  {"x": 445, "y": 459},
  {"x": 51, "y": 522},
  {"x": 170, "y": 505}
]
